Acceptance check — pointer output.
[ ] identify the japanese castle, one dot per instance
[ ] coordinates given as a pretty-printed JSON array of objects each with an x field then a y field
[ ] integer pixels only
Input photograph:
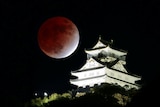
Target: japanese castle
[{"x": 104, "y": 64}]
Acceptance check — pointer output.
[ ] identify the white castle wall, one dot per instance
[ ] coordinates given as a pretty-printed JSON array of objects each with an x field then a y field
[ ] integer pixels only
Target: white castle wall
[
  {"x": 90, "y": 73},
  {"x": 90, "y": 82}
]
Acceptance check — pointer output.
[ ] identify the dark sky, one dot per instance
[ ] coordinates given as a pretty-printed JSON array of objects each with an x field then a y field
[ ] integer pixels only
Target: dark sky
[{"x": 134, "y": 26}]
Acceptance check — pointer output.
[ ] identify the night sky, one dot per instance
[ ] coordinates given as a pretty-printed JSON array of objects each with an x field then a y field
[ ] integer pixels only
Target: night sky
[{"x": 133, "y": 26}]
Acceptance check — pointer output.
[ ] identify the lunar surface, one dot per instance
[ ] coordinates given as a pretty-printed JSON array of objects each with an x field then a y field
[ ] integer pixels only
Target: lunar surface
[{"x": 58, "y": 37}]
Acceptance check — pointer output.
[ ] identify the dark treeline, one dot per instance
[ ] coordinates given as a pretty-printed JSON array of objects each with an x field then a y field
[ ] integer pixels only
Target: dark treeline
[{"x": 106, "y": 94}]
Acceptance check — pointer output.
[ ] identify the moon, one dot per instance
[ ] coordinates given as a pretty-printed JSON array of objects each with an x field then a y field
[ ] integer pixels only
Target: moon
[{"x": 58, "y": 37}]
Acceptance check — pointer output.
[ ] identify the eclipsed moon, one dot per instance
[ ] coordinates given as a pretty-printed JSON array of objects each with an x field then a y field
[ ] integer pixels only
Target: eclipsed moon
[{"x": 58, "y": 37}]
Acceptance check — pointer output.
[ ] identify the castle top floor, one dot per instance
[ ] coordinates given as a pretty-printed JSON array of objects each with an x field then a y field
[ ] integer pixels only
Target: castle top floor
[{"x": 104, "y": 49}]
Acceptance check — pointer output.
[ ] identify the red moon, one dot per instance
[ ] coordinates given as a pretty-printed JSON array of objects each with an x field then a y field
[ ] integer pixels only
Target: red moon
[{"x": 58, "y": 37}]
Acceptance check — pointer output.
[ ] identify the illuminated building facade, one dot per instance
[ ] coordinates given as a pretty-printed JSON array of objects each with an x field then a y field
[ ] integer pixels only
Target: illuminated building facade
[{"x": 104, "y": 64}]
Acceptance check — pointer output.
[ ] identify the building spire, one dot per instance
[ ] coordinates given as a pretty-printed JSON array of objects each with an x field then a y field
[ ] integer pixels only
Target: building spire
[
  {"x": 111, "y": 42},
  {"x": 100, "y": 37}
]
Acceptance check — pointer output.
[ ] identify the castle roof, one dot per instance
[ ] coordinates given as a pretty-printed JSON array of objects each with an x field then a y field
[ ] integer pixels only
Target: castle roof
[
  {"x": 91, "y": 63},
  {"x": 105, "y": 46}
]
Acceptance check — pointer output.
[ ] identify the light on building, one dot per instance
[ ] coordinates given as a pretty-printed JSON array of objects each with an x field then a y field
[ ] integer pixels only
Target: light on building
[
  {"x": 45, "y": 94},
  {"x": 35, "y": 94}
]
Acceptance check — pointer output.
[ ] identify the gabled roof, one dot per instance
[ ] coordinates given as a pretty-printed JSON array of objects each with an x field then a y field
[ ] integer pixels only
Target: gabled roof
[
  {"x": 106, "y": 46},
  {"x": 90, "y": 63},
  {"x": 119, "y": 66},
  {"x": 107, "y": 49},
  {"x": 117, "y": 52},
  {"x": 99, "y": 44}
]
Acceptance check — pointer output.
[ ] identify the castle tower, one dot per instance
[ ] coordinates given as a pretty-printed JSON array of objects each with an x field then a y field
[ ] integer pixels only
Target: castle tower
[{"x": 104, "y": 64}]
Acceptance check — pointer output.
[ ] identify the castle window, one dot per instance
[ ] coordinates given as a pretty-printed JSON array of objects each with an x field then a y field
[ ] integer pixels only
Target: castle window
[{"x": 126, "y": 86}]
